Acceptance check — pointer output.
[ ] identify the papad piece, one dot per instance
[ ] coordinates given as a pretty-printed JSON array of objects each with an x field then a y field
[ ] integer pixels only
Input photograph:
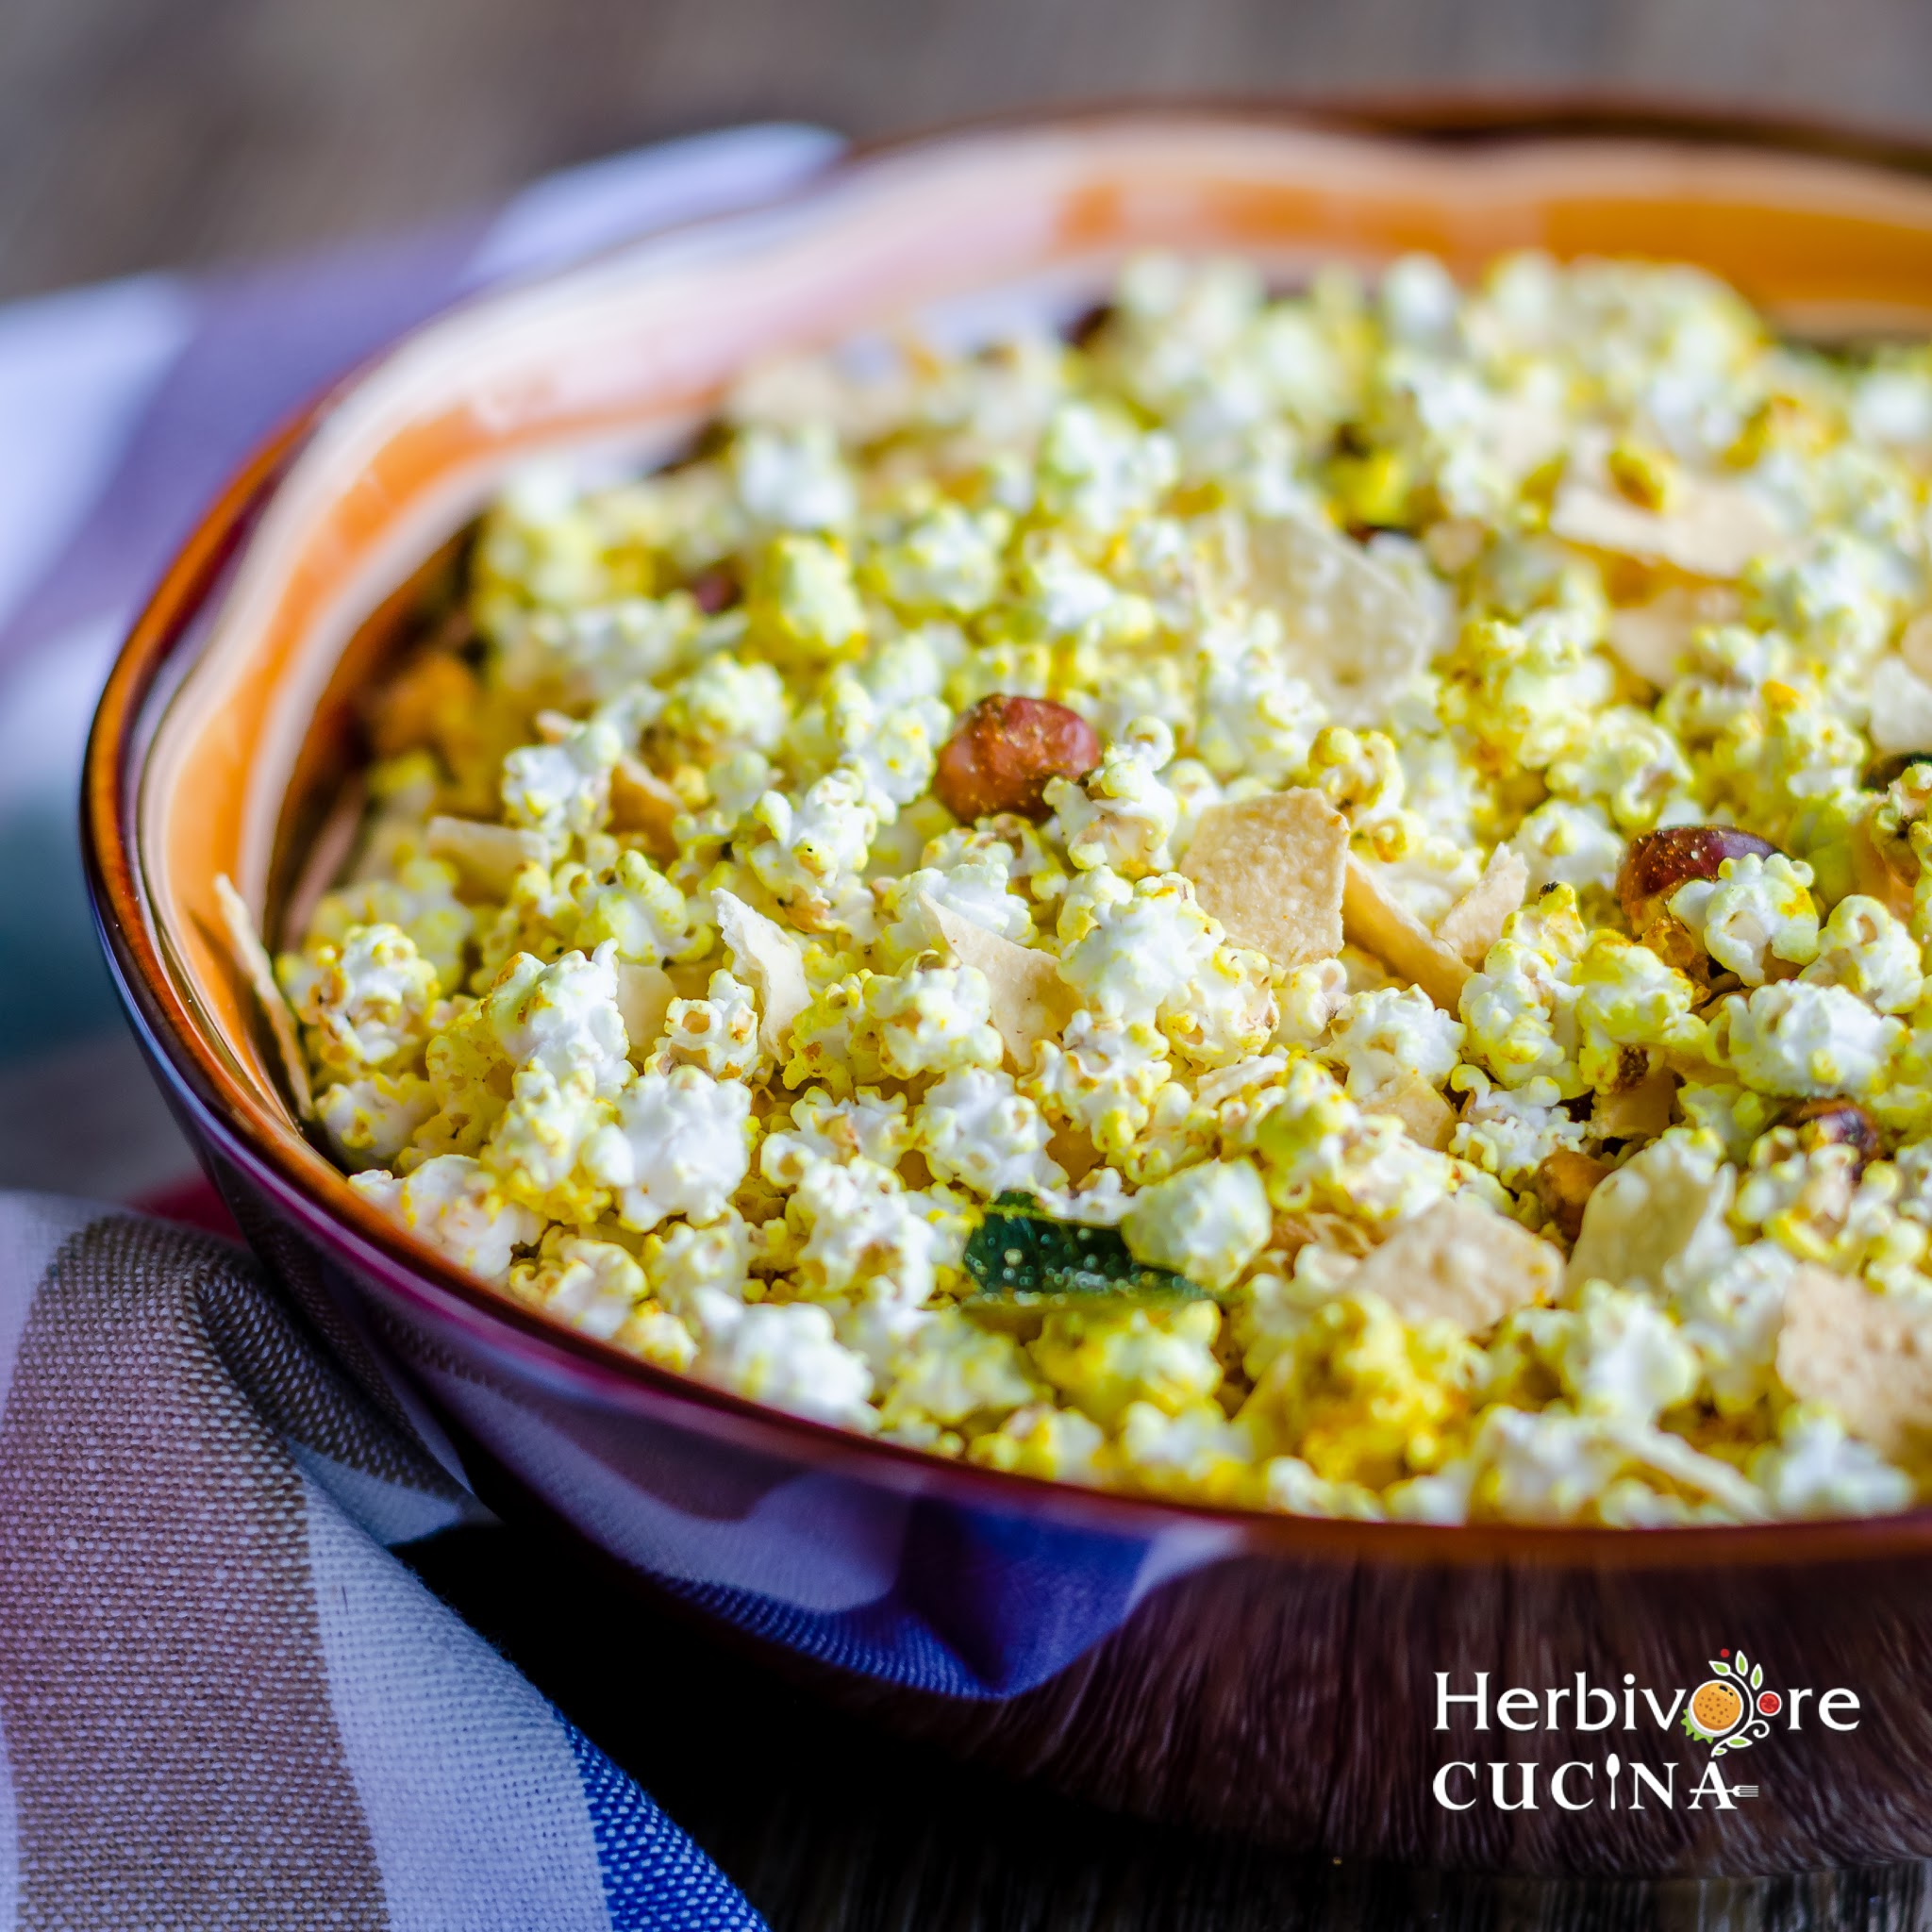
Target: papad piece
[
  {"x": 1915, "y": 645},
  {"x": 1423, "y": 1114},
  {"x": 642, "y": 803},
  {"x": 770, "y": 961},
  {"x": 1459, "y": 1263},
  {"x": 1378, "y": 922},
  {"x": 488, "y": 857},
  {"x": 1866, "y": 1356},
  {"x": 643, "y": 997},
  {"x": 1474, "y": 922},
  {"x": 1650, "y": 639},
  {"x": 1030, "y": 1001},
  {"x": 1636, "y": 1113},
  {"x": 1901, "y": 701},
  {"x": 1713, "y": 529},
  {"x": 1655, "y": 1210},
  {"x": 257, "y": 969},
  {"x": 1349, "y": 626},
  {"x": 1271, "y": 870}
]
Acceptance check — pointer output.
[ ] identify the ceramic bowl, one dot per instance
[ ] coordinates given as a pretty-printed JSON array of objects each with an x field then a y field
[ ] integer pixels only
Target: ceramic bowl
[{"x": 1260, "y": 1674}]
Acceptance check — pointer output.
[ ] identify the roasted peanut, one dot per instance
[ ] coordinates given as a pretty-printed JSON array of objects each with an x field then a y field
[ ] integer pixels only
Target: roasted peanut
[
  {"x": 1835, "y": 1121},
  {"x": 1658, "y": 862},
  {"x": 1005, "y": 752}
]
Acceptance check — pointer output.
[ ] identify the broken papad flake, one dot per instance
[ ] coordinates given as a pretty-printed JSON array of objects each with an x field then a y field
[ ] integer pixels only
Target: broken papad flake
[
  {"x": 1379, "y": 922},
  {"x": 1271, "y": 870},
  {"x": 257, "y": 969},
  {"x": 1349, "y": 626},
  {"x": 1462, "y": 1263},
  {"x": 1030, "y": 1001},
  {"x": 1866, "y": 1356}
]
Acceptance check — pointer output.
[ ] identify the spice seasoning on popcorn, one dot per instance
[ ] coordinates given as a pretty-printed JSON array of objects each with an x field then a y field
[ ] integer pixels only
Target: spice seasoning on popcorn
[{"x": 1318, "y": 903}]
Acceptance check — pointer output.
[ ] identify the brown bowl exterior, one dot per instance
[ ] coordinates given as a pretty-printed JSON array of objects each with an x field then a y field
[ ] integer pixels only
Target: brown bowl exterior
[{"x": 1266, "y": 1676}]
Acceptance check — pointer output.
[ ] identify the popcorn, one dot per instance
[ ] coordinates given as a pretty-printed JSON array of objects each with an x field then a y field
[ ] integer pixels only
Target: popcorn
[
  {"x": 538, "y": 1146},
  {"x": 370, "y": 1121},
  {"x": 561, "y": 792},
  {"x": 1058, "y": 1443},
  {"x": 364, "y": 1004},
  {"x": 593, "y": 1284},
  {"x": 1816, "y": 1468},
  {"x": 1126, "y": 950},
  {"x": 1106, "y": 1358},
  {"x": 868, "y": 1126},
  {"x": 1102, "y": 1076},
  {"x": 1619, "y": 1354},
  {"x": 680, "y": 1144},
  {"x": 1378, "y": 1038},
  {"x": 1869, "y": 952},
  {"x": 561, "y": 1017},
  {"x": 815, "y": 849},
  {"x": 954, "y": 1373},
  {"x": 1800, "y": 1037},
  {"x": 1755, "y": 911},
  {"x": 1121, "y": 815},
  {"x": 862, "y": 1230},
  {"x": 975, "y": 1126},
  {"x": 787, "y": 1356},
  {"x": 1206, "y": 1223},
  {"x": 682, "y": 1263},
  {"x": 933, "y": 1020},
  {"x": 793, "y": 478},
  {"x": 633, "y": 907},
  {"x": 803, "y": 602},
  {"x": 420, "y": 901},
  {"x": 719, "y": 1033},
  {"x": 703, "y": 974},
  {"x": 454, "y": 1205},
  {"x": 1563, "y": 842}
]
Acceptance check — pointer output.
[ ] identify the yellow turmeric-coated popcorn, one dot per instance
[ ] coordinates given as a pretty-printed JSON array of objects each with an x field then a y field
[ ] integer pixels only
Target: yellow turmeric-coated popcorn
[{"x": 1316, "y": 903}]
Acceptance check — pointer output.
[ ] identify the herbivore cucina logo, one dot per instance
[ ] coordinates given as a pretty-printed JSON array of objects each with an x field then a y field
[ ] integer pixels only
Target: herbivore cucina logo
[{"x": 1728, "y": 1711}]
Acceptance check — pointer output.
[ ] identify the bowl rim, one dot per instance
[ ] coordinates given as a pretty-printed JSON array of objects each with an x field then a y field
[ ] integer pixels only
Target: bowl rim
[{"x": 164, "y": 1014}]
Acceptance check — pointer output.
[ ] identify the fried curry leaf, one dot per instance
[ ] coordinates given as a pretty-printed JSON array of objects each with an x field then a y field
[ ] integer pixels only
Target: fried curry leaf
[{"x": 1026, "y": 1263}]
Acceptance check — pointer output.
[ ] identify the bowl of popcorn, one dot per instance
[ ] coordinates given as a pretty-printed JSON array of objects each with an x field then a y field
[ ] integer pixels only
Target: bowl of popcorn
[{"x": 1125, "y": 928}]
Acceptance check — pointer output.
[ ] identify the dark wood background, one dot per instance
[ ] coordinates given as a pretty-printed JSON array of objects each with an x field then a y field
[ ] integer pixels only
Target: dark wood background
[
  {"x": 138, "y": 133},
  {"x": 141, "y": 133}
]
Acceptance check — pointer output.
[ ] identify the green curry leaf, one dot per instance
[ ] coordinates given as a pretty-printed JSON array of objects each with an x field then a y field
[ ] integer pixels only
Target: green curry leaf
[{"x": 1026, "y": 1263}]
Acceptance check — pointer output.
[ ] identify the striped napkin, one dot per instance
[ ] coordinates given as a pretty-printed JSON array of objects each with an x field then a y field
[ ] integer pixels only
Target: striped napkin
[{"x": 223, "y": 1702}]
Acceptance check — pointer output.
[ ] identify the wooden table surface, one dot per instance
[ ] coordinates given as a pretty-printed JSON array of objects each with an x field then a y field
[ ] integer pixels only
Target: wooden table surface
[
  {"x": 139, "y": 133},
  {"x": 831, "y": 1826}
]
